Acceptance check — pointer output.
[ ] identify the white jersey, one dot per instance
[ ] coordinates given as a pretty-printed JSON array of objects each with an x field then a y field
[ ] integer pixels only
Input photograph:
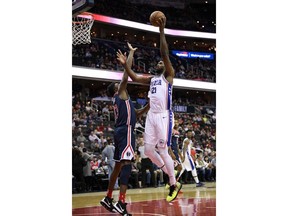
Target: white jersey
[
  {"x": 188, "y": 147},
  {"x": 188, "y": 162},
  {"x": 160, "y": 94}
]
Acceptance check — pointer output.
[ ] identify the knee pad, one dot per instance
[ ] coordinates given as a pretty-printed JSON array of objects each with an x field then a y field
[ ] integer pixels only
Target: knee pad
[{"x": 125, "y": 174}]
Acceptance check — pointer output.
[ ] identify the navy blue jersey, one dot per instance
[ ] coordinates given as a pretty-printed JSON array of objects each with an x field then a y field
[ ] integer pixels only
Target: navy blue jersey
[{"x": 124, "y": 112}]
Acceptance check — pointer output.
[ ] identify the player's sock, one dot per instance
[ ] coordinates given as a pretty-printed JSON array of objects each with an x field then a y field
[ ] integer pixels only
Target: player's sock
[
  {"x": 194, "y": 174},
  {"x": 122, "y": 197},
  {"x": 109, "y": 193}
]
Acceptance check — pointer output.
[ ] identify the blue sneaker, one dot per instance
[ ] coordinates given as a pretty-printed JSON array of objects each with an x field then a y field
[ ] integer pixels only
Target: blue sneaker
[{"x": 200, "y": 184}]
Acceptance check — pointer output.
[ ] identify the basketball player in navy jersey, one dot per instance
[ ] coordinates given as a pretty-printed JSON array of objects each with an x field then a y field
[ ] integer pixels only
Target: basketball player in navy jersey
[
  {"x": 174, "y": 148},
  {"x": 159, "y": 120},
  {"x": 124, "y": 139}
]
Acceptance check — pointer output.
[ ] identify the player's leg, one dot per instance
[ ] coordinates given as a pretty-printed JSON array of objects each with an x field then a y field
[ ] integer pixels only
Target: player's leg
[
  {"x": 180, "y": 171},
  {"x": 164, "y": 131},
  {"x": 120, "y": 206},
  {"x": 193, "y": 170},
  {"x": 107, "y": 201},
  {"x": 126, "y": 153},
  {"x": 150, "y": 142}
]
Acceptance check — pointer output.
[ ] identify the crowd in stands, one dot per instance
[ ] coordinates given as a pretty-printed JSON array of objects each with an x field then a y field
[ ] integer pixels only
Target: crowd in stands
[
  {"x": 101, "y": 54},
  {"x": 92, "y": 132},
  {"x": 193, "y": 17}
]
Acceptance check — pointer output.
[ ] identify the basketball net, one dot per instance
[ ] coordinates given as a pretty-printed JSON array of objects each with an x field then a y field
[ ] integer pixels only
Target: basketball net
[{"x": 81, "y": 27}]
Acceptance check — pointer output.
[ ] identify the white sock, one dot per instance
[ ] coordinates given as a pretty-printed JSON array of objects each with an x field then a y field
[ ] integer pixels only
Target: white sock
[{"x": 194, "y": 174}]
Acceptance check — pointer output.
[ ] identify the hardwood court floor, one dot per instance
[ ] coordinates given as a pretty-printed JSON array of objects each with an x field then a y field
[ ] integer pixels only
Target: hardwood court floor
[{"x": 191, "y": 201}]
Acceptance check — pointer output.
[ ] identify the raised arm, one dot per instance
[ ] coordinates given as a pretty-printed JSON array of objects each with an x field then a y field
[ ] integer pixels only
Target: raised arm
[
  {"x": 164, "y": 51},
  {"x": 136, "y": 78},
  {"x": 123, "y": 84}
]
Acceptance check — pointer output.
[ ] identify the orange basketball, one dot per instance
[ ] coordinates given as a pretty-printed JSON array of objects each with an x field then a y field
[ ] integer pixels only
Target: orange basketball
[{"x": 155, "y": 16}]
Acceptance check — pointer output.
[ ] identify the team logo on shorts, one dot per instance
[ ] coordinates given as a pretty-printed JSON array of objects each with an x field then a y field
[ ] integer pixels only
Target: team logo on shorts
[
  {"x": 128, "y": 154},
  {"x": 161, "y": 143}
]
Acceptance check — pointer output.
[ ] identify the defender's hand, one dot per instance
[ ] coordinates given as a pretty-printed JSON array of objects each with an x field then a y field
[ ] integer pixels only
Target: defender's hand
[
  {"x": 131, "y": 48},
  {"x": 121, "y": 57}
]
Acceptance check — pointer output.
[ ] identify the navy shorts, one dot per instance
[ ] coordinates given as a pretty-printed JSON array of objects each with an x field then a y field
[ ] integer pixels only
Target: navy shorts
[
  {"x": 175, "y": 150},
  {"x": 124, "y": 139}
]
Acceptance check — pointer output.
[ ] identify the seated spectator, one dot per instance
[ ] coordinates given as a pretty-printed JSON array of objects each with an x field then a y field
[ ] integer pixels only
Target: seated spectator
[
  {"x": 109, "y": 128},
  {"x": 81, "y": 146},
  {"x": 94, "y": 164},
  {"x": 213, "y": 165},
  {"x": 202, "y": 168},
  {"x": 81, "y": 138},
  {"x": 92, "y": 137},
  {"x": 98, "y": 131},
  {"x": 159, "y": 179},
  {"x": 134, "y": 178}
]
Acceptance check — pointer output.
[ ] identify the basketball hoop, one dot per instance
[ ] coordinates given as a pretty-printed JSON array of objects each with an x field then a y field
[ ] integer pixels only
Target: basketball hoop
[{"x": 81, "y": 26}]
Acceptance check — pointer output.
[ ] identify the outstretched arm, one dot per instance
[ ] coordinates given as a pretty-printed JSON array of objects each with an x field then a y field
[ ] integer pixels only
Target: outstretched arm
[
  {"x": 140, "y": 112},
  {"x": 124, "y": 81},
  {"x": 136, "y": 78},
  {"x": 164, "y": 51}
]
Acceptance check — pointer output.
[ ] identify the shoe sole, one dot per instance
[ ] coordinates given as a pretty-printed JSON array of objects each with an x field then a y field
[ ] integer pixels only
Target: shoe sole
[
  {"x": 107, "y": 207},
  {"x": 176, "y": 194}
]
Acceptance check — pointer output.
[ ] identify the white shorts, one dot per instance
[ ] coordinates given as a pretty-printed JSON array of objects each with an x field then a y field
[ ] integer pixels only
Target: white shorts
[
  {"x": 158, "y": 128},
  {"x": 188, "y": 163}
]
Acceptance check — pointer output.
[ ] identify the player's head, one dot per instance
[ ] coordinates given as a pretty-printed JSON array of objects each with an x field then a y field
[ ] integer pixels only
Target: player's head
[
  {"x": 112, "y": 88},
  {"x": 189, "y": 134},
  {"x": 160, "y": 68}
]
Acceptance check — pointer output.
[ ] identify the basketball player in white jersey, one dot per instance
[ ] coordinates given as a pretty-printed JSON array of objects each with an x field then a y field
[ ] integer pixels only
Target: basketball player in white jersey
[
  {"x": 187, "y": 160},
  {"x": 159, "y": 120}
]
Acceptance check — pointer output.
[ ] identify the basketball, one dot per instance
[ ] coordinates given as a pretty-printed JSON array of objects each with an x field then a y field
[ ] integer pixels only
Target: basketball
[{"x": 156, "y": 15}]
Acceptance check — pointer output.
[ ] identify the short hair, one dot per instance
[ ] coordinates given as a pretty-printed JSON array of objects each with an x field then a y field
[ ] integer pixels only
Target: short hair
[{"x": 111, "y": 89}]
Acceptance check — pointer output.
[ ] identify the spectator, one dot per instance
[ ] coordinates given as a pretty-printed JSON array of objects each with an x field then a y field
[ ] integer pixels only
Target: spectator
[
  {"x": 146, "y": 164},
  {"x": 202, "y": 168},
  {"x": 213, "y": 163},
  {"x": 87, "y": 172},
  {"x": 81, "y": 138},
  {"x": 107, "y": 155},
  {"x": 92, "y": 137},
  {"x": 78, "y": 162}
]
